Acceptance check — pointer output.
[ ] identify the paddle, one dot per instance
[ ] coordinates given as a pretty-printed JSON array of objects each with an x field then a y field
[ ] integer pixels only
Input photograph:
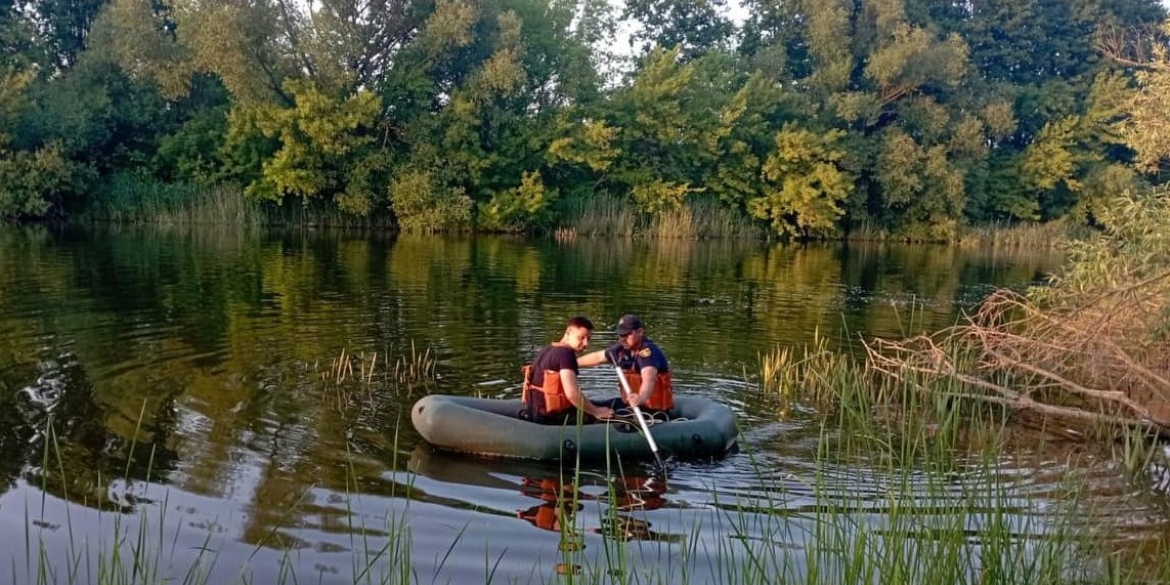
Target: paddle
[{"x": 638, "y": 413}]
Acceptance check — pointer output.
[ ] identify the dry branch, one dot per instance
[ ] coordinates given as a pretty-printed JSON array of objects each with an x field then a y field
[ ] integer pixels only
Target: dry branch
[{"x": 1093, "y": 362}]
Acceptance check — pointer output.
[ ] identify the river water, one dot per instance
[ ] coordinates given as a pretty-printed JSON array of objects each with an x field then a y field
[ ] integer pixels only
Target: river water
[{"x": 173, "y": 394}]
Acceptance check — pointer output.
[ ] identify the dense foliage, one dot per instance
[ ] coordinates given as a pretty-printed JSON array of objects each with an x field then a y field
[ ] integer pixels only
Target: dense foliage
[{"x": 812, "y": 116}]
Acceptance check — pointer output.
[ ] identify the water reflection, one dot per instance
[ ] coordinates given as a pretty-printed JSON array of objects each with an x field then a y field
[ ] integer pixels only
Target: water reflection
[
  {"x": 613, "y": 498},
  {"x": 559, "y": 501}
]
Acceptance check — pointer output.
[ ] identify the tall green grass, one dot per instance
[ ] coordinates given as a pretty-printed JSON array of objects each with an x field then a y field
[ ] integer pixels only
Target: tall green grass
[
  {"x": 701, "y": 219},
  {"x": 1029, "y": 235},
  {"x": 133, "y": 199},
  {"x": 324, "y": 214},
  {"x": 597, "y": 216},
  {"x": 605, "y": 215},
  {"x": 1033, "y": 235}
]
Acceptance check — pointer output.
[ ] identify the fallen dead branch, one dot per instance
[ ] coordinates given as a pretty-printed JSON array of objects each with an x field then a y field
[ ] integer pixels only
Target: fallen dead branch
[{"x": 1099, "y": 361}]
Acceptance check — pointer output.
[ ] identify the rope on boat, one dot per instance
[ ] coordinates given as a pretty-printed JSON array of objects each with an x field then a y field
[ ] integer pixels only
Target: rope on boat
[{"x": 627, "y": 416}]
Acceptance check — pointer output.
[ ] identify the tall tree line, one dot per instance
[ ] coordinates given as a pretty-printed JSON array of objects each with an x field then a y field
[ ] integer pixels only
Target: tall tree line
[{"x": 812, "y": 116}]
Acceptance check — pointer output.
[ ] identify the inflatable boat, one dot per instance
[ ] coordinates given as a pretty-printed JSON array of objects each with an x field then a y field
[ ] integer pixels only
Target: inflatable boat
[{"x": 698, "y": 427}]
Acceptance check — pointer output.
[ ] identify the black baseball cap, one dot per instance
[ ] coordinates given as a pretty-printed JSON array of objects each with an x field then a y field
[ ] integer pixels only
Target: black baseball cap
[{"x": 628, "y": 323}]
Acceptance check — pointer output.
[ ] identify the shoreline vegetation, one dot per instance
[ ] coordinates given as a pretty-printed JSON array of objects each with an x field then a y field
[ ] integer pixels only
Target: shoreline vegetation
[
  {"x": 133, "y": 202},
  {"x": 874, "y": 119}
]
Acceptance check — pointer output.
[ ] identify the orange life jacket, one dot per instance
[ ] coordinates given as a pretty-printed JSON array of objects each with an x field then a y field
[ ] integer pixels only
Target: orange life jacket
[
  {"x": 663, "y": 396},
  {"x": 555, "y": 401},
  {"x": 543, "y": 516}
]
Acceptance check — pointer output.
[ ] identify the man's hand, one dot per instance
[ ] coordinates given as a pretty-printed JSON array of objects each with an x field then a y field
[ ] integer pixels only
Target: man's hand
[{"x": 603, "y": 412}]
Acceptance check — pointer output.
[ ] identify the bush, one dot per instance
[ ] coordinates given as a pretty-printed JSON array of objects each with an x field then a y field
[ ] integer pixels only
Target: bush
[
  {"x": 421, "y": 205},
  {"x": 34, "y": 184},
  {"x": 522, "y": 208}
]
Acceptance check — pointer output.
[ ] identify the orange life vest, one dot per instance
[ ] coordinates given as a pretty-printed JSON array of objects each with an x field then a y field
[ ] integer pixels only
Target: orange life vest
[
  {"x": 663, "y": 396},
  {"x": 555, "y": 401},
  {"x": 543, "y": 516}
]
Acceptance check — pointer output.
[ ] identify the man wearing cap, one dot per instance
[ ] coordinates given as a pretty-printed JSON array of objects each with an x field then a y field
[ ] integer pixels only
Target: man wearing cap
[{"x": 641, "y": 362}]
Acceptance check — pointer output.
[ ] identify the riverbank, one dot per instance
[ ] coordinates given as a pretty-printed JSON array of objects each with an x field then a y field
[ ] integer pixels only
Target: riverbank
[{"x": 131, "y": 200}]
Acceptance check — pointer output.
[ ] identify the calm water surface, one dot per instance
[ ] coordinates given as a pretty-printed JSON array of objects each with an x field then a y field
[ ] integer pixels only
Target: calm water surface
[{"x": 186, "y": 381}]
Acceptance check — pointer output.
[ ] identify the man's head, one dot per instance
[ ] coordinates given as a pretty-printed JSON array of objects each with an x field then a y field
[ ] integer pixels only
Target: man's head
[
  {"x": 577, "y": 333},
  {"x": 629, "y": 329}
]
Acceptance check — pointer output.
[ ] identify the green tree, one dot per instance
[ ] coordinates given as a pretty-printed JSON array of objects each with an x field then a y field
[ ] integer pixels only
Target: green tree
[
  {"x": 64, "y": 27},
  {"x": 30, "y": 180},
  {"x": 422, "y": 204},
  {"x": 32, "y": 183},
  {"x": 327, "y": 148},
  {"x": 193, "y": 151},
  {"x": 522, "y": 208},
  {"x": 1028, "y": 41},
  {"x": 921, "y": 187},
  {"x": 660, "y": 132},
  {"x": 740, "y": 142},
  {"x": 1145, "y": 127},
  {"x": 806, "y": 186},
  {"x": 480, "y": 98},
  {"x": 1069, "y": 164},
  {"x": 694, "y": 27}
]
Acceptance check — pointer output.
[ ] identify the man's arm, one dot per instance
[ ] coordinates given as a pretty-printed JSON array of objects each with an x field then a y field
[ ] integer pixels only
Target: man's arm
[
  {"x": 591, "y": 359},
  {"x": 649, "y": 376},
  {"x": 573, "y": 393},
  {"x": 607, "y": 357}
]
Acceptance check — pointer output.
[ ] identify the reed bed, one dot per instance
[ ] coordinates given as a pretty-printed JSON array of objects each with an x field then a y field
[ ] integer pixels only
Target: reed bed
[
  {"x": 1049, "y": 235},
  {"x": 700, "y": 219},
  {"x": 609, "y": 216},
  {"x": 131, "y": 199},
  {"x": 137, "y": 200},
  {"x": 353, "y": 378},
  {"x": 596, "y": 216},
  {"x": 1031, "y": 235},
  {"x": 414, "y": 367},
  {"x": 323, "y": 214},
  {"x": 134, "y": 200}
]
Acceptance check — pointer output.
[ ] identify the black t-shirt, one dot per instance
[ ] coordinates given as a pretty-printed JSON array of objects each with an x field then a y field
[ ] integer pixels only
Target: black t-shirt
[{"x": 553, "y": 358}]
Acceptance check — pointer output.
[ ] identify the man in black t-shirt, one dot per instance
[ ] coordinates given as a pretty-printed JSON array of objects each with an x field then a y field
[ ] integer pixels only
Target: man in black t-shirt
[{"x": 551, "y": 392}]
